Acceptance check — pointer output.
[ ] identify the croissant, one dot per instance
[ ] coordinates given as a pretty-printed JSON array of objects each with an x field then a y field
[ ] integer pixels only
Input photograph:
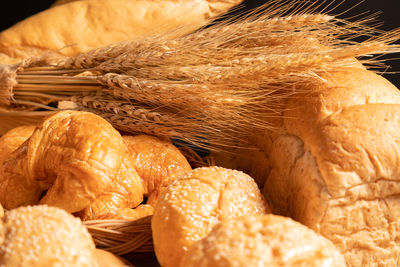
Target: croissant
[
  {"x": 125, "y": 193},
  {"x": 77, "y": 161},
  {"x": 64, "y": 161},
  {"x": 149, "y": 165},
  {"x": 18, "y": 188},
  {"x": 157, "y": 161}
]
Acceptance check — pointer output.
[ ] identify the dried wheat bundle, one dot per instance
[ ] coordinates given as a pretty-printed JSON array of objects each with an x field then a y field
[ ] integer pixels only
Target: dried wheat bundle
[{"x": 210, "y": 88}]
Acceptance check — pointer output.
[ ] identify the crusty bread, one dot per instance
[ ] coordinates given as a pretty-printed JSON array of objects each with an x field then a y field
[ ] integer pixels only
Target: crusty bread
[
  {"x": 335, "y": 167},
  {"x": 44, "y": 236},
  {"x": 267, "y": 240},
  {"x": 192, "y": 205},
  {"x": 78, "y": 26},
  {"x": 47, "y": 236}
]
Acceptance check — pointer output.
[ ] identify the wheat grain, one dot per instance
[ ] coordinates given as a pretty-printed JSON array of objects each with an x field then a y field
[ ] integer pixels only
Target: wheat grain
[{"x": 215, "y": 86}]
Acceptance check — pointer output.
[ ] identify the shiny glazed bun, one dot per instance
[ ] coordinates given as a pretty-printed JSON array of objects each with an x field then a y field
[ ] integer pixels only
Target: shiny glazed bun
[
  {"x": 192, "y": 205},
  {"x": 267, "y": 240},
  {"x": 44, "y": 236}
]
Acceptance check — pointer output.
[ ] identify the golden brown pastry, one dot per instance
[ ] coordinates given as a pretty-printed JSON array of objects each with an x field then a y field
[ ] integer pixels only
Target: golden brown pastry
[
  {"x": 12, "y": 140},
  {"x": 158, "y": 163},
  {"x": 149, "y": 165},
  {"x": 335, "y": 167},
  {"x": 266, "y": 240},
  {"x": 79, "y": 26},
  {"x": 72, "y": 157},
  {"x": 192, "y": 205},
  {"x": 118, "y": 201},
  {"x": 44, "y": 236}
]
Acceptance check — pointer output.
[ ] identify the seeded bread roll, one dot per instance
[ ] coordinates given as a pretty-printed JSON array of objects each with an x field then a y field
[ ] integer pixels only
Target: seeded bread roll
[
  {"x": 44, "y": 236},
  {"x": 335, "y": 167},
  {"x": 192, "y": 205},
  {"x": 79, "y": 26},
  {"x": 267, "y": 240}
]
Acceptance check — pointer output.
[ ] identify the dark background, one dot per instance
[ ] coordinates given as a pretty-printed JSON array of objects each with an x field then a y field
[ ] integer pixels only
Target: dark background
[{"x": 18, "y": 10}]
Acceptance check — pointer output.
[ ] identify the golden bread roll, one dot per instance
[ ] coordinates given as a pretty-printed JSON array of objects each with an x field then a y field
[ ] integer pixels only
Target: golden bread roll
[
  {"x": 192, "y": 205},
  {"x": 72, "y": 157},
  {"x": 79, "y": 26},
  {"x": 158, "y": 163},
  {"x": 267, "y": 240},
  {"x": 336, "y": 165},
  {"x": 44, "y": 236}
]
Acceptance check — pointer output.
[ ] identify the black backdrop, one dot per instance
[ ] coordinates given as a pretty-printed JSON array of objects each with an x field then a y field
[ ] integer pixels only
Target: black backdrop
[{"x": 17, "y": 10}]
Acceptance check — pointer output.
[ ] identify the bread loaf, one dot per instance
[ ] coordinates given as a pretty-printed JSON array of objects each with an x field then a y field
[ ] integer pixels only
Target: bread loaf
[
  {"x": 78, "y": 26},
  {"x": 335, "y": 166}
]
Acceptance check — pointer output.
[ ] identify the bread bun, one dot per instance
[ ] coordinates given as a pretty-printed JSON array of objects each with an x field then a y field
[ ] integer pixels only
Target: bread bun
[
  {"x": 192, "y": 205},
  {"x": 107, "y": 259},
  {"x": 267, "y": 240},
  {"x": 44, "y": 236},
  {"x": 335, "y": 166},
  {"x": 79, "y": 26}
]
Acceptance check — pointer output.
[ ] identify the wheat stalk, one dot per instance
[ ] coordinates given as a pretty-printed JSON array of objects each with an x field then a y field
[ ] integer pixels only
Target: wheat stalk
[{"x": 212, "y": 88}]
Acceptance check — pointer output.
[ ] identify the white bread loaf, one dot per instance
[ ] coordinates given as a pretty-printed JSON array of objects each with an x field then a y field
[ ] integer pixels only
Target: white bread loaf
[
  {"x": 79, "y": 26},
  {"x": 335, "y": 167}
]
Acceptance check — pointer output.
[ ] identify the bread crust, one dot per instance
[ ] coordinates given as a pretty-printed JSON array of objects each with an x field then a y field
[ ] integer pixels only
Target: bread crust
[
  {"x": 267, "y": 240},
  {"x": 45, "y": 236},
  {"x": 335, "y": 168},
  {"x": 192, "y": 205}
]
